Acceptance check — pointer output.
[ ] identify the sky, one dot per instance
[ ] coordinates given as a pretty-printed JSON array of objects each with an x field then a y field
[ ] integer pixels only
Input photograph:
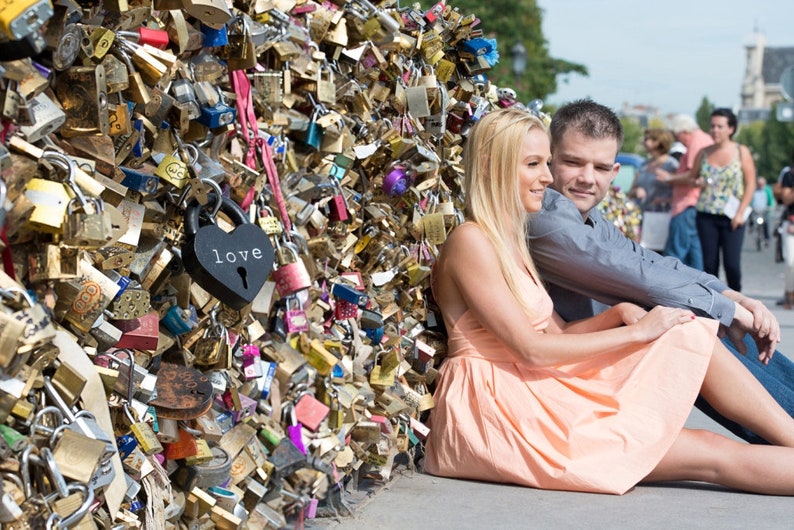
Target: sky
[{"x": 668, "y": 54}]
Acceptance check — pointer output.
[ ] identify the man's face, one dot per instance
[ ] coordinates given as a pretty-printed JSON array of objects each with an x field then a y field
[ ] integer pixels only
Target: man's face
[{"x": 583, "y": 168}]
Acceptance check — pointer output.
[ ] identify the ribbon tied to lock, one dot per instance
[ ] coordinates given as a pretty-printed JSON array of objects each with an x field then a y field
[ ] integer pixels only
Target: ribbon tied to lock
[{"x": 232, "y": 266}]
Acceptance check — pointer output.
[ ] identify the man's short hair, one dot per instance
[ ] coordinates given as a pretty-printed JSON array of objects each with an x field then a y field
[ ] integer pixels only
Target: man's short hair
[
  {"x": 683, "y": 123},
  {"x": 588, "y": 118}
]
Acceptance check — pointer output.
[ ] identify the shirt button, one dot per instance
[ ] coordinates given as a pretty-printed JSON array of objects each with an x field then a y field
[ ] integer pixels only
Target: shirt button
[
  {"x": 719, "y": 315},
  {"x": 689, "y": 301}
]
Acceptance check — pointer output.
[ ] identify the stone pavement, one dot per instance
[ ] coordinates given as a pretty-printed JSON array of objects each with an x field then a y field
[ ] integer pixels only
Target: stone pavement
[{"x": 414, "y": 500}]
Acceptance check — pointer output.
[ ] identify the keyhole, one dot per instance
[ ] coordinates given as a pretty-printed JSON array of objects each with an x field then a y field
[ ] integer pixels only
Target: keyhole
[{"x": 244, "y": 276}]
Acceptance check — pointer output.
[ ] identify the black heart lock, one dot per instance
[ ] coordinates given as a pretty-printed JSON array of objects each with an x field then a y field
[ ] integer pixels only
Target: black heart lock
[{"x": 231, "y": 266}]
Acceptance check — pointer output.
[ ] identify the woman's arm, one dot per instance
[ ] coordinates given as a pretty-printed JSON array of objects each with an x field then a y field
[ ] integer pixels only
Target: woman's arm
[
  {"x": 616, "y": 316},
  {"x": 469, "y": 271},
  {"x": 748, "y": 172}
]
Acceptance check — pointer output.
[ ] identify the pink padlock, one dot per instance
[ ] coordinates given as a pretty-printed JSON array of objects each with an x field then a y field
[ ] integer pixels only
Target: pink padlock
[{"x": 290, "y": 275}]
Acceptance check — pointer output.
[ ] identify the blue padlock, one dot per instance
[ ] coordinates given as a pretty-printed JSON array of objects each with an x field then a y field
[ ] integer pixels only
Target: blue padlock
[
  {"x": 214, "y": 37},
  {"x": 178, "y": 321},
  {"x": 139, "y": 181},
  {"x": 218, "y": 116},
  {"x": 349, "y": 294}
]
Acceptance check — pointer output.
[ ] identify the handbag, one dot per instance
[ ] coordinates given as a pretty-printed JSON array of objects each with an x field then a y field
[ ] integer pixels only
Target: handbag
[{"x": 654, "y": 231}]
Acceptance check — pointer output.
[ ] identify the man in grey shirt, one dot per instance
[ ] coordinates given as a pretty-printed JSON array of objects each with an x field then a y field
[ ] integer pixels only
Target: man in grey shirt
[{"x": 586, "y": 261}]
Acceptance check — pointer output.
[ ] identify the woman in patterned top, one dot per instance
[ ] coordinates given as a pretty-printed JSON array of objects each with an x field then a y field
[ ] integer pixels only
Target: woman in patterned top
[{"x": 726, "y": 172}]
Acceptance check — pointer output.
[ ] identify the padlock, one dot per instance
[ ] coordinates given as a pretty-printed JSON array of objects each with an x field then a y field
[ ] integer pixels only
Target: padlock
[
  {"x": 184, "y": 93},
  {"x": 47, "y": 118},
  {"x": 231, "y": 266},
  {"x": 38, "y": 328},
  {"x": 82, "y": 91},
  {"x": 52, "y": 262},
  {"x": 83, "y": 228},
  {"x": 19, "y": 19},
  {"x": 326, "y": 89},
  {"x": 294, "y": 429},
  {"x": 214, "y": 345},
  {"x": 213, "y": 13},
  {"x": 240, "y": 53},
  {"x": 267, "y": 221},
  {"x": 268, "y": 87},
  {"x": 344, "y": 291},
  {"x": 217, "y": 116},
  {"x": 136, "y": 90},
  {"x": 295, "y": 317},
  {"x": 313, "y": 134},
  {"x": 338, "y": 204},
  {"x": 252, "y": 362},
  {"x": 396, "y": 181},
  {"x": 290, "y": 275},
  {"x": 310, "y": 412}
]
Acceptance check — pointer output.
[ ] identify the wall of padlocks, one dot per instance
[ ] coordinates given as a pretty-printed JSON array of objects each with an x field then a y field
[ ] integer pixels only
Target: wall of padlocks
[{"x": 218, "y": 227}]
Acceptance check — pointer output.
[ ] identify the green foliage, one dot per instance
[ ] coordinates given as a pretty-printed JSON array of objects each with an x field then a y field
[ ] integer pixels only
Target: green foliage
[
  {"x": 777, "y": 141},
  {"x": 703, "y": 114},
  {"x": 511, "y": 21},
  {"x": 633, "y": 134},
  {"x": 771, "y": 143}
]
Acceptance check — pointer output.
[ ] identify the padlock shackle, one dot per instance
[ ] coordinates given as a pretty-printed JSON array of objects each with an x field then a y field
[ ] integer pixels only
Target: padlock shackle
[
  {"x": 222, "y": 203},
  {"x": 67, "y": 164}
]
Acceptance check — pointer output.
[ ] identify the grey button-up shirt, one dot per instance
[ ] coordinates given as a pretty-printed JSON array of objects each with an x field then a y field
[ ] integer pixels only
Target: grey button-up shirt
[{"x": 582, "y": 262}]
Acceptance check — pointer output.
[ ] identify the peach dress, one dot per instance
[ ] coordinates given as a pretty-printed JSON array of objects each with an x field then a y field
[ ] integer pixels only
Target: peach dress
[{"x": 599, "y": 425}]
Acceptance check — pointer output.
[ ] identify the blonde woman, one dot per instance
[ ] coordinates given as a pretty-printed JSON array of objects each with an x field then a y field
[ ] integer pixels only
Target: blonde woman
[{"x": 596, "y": 405}]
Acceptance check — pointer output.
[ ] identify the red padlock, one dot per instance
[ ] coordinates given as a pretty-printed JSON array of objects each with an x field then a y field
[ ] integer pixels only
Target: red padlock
[
  {"x": 345, "y": 309},
  {"x": 337, "y": 206},
  {"x": 290, "y": 275}
]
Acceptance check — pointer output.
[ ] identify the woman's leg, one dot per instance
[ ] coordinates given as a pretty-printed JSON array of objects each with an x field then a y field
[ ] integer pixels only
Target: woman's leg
[
  {"x": 733, "y": 392},
  {"x": 732, "y": 241},
  {"x": 709, "y": 457},
  {"x": 709, "y": 242}
]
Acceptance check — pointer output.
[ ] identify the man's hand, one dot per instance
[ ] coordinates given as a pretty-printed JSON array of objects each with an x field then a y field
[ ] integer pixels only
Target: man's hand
[
  {"x": 764, "y": 322},
  {"x": 754, "y": 318}
]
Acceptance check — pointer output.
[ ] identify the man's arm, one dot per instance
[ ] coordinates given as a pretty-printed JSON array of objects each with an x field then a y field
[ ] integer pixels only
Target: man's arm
[{"x": 601, "y": 263}]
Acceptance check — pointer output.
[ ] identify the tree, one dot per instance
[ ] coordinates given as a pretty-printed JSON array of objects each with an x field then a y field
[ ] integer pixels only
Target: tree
[
  {"x": 771, "y": 143},
  {"x": 777, "y": 140},
  {"x": 703, "y": 114},
  {"x": 509, "y": 22},
  {"x": 632, "y": 135}
]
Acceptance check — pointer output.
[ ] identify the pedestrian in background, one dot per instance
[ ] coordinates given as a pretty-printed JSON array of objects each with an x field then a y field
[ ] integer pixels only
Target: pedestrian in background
[
  {"x": 683, "y": 241},
  {"x": 787, "y": 229},
  {"x": 763, "y": 202},
  {"x": 725, "y": 172},
  {"x": 651, "y": 193}
]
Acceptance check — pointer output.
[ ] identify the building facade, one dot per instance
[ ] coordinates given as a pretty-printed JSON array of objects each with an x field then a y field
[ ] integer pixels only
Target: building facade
[{"x": 761, "y": 83}]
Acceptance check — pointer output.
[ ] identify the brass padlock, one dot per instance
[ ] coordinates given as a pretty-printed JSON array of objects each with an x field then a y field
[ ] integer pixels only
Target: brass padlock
[
  {"x": 82, "y": 91},
  {"x": 85, "y": 229}
]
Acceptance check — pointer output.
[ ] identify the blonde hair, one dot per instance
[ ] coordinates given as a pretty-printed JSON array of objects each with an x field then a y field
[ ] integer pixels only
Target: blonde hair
[{"x": 492, "y": 194}]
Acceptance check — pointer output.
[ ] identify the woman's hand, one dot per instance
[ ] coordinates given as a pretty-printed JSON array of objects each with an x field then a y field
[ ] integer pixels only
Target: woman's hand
[
  {"x": 660, "y": 319},
  {"x": 737, "y": 221}
]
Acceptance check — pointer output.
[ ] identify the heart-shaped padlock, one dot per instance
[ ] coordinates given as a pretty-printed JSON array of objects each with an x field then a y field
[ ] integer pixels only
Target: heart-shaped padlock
[{"x": 232, "y": 266}]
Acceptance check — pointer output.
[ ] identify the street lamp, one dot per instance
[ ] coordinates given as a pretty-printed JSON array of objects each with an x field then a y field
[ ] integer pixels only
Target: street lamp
[{"x": 519, "y": 55}]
